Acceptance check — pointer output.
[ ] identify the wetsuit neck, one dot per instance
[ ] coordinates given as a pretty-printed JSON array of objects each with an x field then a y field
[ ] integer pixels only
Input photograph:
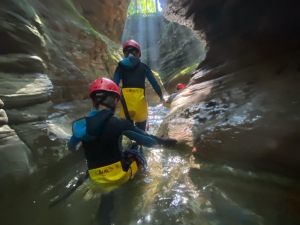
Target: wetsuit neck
[{"x": 105, "y": 106}]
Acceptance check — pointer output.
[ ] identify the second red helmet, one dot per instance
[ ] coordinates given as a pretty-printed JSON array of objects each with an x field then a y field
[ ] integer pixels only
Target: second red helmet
[
  {"x": 104, "y": 84},
  {"x": 132, "y": 43},
  {"x": 179, "y": 86}
]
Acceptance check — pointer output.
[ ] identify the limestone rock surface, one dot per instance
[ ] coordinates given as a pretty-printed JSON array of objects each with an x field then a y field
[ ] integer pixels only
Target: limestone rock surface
[
  {"x": 242, "y": 104},
  {"x": 16, "y": 160},
  {"x": 106, "y": 16},
  {"x": 50, "y": 52},
  {"x": 3, "y": 117}
]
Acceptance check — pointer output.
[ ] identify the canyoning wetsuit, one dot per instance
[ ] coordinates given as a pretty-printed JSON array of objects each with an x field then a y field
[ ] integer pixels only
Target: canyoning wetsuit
[
  {"x": 133, "y": 74},
  {"x": 100, "y": 133}
]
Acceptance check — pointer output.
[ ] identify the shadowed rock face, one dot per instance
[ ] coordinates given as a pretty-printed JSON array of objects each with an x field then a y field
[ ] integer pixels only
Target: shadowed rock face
[
  {"x": 50, "y": 52},
  {"x": 242, "y": 104}
]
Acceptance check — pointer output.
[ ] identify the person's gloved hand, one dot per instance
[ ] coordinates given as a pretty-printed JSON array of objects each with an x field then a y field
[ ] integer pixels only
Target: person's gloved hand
[{"x": 167, "y": 142}]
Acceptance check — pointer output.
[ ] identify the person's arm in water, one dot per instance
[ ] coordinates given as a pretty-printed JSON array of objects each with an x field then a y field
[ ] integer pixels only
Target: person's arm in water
[
  {"x": 169, "y": 100},
  {"x": 117, "y": 77},
  {"x": 140, "y": 138},
  {"x": 154, "y": 84},
  {"x": 167, "y": 142},
  {"x": 143, "y": 138},
  {"x": 73, "y": 143},
  {"x": 172, "y": 96}
]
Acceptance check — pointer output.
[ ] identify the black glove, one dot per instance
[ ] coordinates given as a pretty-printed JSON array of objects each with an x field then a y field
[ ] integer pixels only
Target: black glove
[{"x": 167, "y": 142}]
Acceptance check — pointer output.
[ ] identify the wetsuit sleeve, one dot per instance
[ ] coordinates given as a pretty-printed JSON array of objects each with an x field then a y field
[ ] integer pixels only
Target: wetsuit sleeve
[
  {"x": 117, "y": 77},
  {"x": 127, "y": 126},
  {"x": 170, "y": 99},
  {"x": 73, "y": 142},
  {"x": 160, "y": 140},
  {"x": 154, "y": 83},
  {"x": 136, "y": 134},
  {"x": 140, "y": 138}
]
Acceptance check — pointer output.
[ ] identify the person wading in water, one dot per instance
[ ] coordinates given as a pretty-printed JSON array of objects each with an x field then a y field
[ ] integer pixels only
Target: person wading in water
[
  {"x": 101, "y": 135},
  {"x": 179, "y": 88},
  {"x": 133, "y": 74}
]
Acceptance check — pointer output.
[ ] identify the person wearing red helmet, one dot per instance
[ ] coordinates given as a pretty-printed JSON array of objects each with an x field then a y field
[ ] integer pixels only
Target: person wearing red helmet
[
  {"x": 179, "y": 88},
  {"x": 133, "y": 74},
  {"x": 101, "y": 133}
]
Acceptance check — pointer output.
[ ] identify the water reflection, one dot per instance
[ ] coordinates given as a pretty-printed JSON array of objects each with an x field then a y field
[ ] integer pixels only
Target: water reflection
[{"x": 175, "y": 189}]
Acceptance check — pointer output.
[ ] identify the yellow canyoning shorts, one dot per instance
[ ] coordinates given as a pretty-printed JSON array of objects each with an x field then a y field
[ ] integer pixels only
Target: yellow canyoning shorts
[
  {"x": 136, "y": 104},
  {"x": 107, "y": 178}
]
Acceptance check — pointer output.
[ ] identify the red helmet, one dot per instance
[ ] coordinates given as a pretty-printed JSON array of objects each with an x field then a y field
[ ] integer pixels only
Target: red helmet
[
  {"x": 104, "y": 84},
  {"x": 179, "y": 86},
  {"x": 134, "y": 44}
]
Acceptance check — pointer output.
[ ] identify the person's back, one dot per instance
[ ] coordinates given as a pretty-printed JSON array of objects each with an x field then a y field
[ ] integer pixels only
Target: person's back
[
  {"x": 107, "y": 129},
  {"x": 133, "y": 74},
  {"x": 100, "y": 134}
]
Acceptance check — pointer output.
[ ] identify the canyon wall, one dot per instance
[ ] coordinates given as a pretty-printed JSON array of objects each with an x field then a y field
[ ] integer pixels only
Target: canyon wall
[
  {"x": 242, "y": 104},
  {"x": 50, "y": 52}
]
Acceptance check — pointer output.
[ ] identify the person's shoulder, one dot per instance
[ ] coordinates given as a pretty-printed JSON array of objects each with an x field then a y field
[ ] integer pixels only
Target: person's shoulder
[
  {"x": 145, "y": 66},
  {"x": 118, "y": 66},
  {"x": 120, "y": 122}
]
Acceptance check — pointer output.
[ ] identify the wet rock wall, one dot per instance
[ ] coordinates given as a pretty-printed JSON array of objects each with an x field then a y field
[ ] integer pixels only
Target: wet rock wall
[
  {"x": 50, "y": 52},
  {"x": 242, "y": 104}
]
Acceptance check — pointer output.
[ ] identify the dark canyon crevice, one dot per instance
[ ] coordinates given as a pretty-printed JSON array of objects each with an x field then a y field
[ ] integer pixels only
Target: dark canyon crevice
[{"x": 242, "y": 103}]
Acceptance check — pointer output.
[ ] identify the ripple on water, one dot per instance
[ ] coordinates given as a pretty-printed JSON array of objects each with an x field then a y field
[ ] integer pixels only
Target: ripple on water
[{"x": 174, "y": 190}]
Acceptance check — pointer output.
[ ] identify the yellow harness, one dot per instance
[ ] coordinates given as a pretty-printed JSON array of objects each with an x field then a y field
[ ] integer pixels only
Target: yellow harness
[
  {"x": 107, "y": 178},
  {"x": 136, "y": 104}
]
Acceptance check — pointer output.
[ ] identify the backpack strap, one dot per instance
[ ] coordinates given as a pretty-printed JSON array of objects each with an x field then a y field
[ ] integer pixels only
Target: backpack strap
[
  {"x": 125, "y": 108},
  {"x": 123, "y": 102}
]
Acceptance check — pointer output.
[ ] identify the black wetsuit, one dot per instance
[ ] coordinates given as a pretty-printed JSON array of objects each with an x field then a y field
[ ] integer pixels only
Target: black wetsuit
[
  {"x": 100, "y": 134},
  {"x": 133, "y": 74}
]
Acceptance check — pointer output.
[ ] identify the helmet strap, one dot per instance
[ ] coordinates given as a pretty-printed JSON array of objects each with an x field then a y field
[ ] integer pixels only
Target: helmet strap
[
  {"x": 127, "y": 54},
  {"x": 101, "y": 102},
  {"x": 131, "y": 50}
]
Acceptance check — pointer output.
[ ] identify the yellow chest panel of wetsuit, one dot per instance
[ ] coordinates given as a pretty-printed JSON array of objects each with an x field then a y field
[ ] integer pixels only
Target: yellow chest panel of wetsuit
[{"x": 136, "y": 104}]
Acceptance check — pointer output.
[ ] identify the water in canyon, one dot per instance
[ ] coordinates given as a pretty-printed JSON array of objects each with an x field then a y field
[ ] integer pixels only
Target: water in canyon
[{"x": 175, "y": 189}]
